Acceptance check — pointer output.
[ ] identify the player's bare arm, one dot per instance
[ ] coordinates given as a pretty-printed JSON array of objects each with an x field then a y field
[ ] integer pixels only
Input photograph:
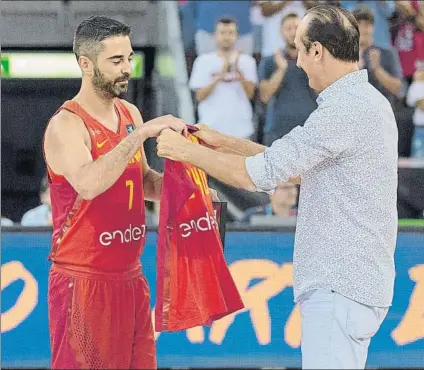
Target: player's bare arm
[
  {"x": 67, "y": 147},
  {"x": 152, "y": 180}
]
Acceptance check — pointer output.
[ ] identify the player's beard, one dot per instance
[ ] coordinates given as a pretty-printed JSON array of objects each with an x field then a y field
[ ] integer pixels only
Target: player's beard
[{"x": 109, "y": 88}]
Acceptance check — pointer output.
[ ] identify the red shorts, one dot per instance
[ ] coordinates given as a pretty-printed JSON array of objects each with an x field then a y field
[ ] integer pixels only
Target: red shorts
[{"x": 100, "y": 321}]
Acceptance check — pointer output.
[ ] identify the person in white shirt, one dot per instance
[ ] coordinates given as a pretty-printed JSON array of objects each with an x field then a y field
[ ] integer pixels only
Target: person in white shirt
[
  {"x": 6, "y": 222},
  {"x": 41, "y": 215},
  {"x": 224, "y": 82},
  {"x": 415, "y": 99},
  {"x": 273, "y": 12}
]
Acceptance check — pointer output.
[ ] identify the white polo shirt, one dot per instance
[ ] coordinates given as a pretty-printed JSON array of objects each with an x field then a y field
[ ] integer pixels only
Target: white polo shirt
[{"x": 227, "y": 109}]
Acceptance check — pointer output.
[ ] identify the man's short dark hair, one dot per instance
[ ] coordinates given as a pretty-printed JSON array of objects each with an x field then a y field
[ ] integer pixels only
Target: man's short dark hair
[
  {"x": 336, "y": 29},
  {"x": 92, "y": 31},
  {"x": 289, "y": 16},
  {"x": 364, "y": 14},
  {"x": 226, "y": 20}
]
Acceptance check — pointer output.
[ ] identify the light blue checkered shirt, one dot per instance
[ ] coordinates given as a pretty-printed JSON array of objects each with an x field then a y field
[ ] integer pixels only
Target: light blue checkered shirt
[{"x": 346, "y": 155}]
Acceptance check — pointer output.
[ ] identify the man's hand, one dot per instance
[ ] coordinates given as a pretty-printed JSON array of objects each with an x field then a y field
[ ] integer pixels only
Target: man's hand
[
  {"x": 226, "y": 66},
  {"x": 280, "y": 61},
  {"x": 237, "y": 65},
  {"x": 154, "y": 127},
  {"x": 209, "y": 136},
  {"x": 170, "y": 144},
  {"x": 375, "y": 57}
]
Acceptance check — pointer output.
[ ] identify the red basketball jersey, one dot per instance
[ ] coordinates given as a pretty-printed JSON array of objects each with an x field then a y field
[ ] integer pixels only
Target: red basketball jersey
[
  {"x": 194, "y": 284},
  {"x": 107, "y": 233}
]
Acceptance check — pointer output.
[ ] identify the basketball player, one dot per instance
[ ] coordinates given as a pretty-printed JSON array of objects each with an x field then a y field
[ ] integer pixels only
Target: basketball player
[{"x": 99, "y": 309}]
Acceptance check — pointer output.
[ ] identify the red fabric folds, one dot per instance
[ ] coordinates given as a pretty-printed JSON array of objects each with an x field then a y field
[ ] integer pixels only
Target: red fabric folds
[{"x": 194, "y": 284}]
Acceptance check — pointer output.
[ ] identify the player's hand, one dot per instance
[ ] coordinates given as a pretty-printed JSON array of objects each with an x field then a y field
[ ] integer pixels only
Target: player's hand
[
  {"x": 209, "y": 136},
  {"x": 170, "y": 144},
  {"x": 155, "y": 126}
]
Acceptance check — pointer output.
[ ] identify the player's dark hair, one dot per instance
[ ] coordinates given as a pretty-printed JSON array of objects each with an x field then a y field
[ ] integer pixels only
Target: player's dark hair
[
  {"x": 336, "y": 29},
  {"x": 92, "y": 31}
]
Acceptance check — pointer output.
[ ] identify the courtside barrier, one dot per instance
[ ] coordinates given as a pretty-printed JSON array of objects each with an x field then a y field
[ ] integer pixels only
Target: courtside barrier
[{"x": 265, "y": 334}]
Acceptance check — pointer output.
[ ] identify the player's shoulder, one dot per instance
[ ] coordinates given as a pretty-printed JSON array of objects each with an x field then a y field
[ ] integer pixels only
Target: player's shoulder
[{"x": 65, "y": 120}]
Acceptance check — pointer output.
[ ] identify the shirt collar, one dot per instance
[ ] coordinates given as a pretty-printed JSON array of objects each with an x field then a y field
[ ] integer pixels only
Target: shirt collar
[{"x": 342, "y": 84}]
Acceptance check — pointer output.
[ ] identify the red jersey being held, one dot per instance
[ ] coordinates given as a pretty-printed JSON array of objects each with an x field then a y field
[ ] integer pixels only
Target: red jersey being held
[
  {"x": 194, "y": 284},
  {"x": 107, "y": 233}
]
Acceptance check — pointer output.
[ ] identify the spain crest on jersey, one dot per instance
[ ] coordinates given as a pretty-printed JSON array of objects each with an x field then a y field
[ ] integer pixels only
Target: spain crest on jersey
[{"x": 130, "y": 128}]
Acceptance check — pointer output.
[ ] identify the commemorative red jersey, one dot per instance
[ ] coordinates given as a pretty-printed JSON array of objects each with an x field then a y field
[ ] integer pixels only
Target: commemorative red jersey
[
  {"x": 194, "y": 284},
  {"x": 107, "y": 233}
]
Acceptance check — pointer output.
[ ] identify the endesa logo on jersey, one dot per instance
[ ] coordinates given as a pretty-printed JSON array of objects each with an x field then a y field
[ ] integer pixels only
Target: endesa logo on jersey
[
  {"x": 130, "y": 234},
  {"x": 202, "y": 224}
]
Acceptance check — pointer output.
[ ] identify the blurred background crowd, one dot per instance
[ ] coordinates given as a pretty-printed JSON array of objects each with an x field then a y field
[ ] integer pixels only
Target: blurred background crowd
[{"x": 240, "y": 65}]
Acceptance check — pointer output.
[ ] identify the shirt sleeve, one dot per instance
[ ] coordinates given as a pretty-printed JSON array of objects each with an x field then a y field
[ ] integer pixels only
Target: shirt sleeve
[
  {"x": 200, "y": 75},
  {"x": 325, "y": 135}
]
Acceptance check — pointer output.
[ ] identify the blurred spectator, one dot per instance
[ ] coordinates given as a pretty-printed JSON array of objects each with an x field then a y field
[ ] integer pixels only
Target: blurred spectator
[
  {"x": 409, "y": 35},
  {"x": 224, "y": 82},
  {"x": 284, "y": 86},
  {"x": 207, "y": 13},
  {"x": 6, "y": 222},
  {"x": 274, "y": 12},
  {"x": 415, "y": 99},
  {"x": 382, "y": 11},
  {"x": 282, "y": 203},
  {"x": 384, "y": 69},
  {"x": 41, "y": 215}
]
